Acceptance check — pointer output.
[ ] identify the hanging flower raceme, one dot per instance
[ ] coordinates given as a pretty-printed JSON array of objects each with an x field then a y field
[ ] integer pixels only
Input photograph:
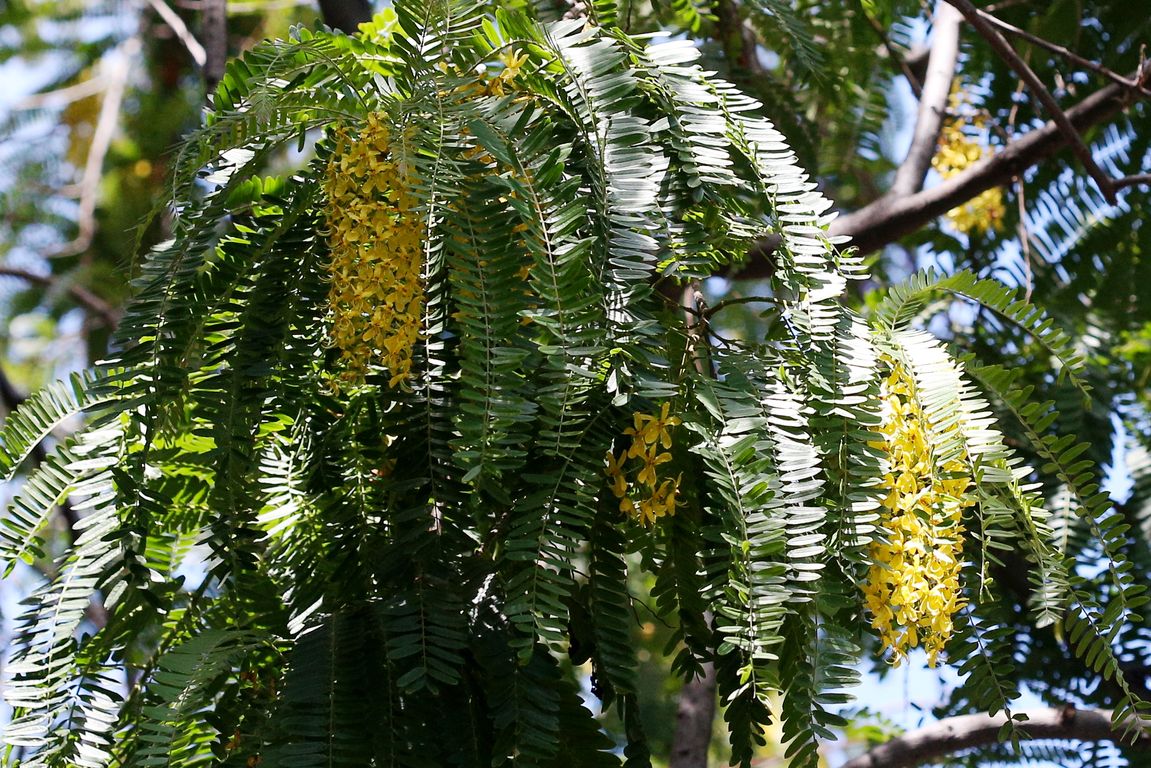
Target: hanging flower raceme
[
  {"x": 376, "y": 295},
  {"x": 957, "y": 151},
  {"x": 912, "y": 589},
  {"x": 650, "y": 495}
]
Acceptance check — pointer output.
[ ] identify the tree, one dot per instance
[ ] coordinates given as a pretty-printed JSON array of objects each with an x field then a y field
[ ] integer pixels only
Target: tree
[{"x": 527, "y": 324}]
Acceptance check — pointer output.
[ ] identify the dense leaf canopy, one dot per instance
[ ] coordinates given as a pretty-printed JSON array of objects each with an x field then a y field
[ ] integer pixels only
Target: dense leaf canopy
[{"x": 381, "y": 435}]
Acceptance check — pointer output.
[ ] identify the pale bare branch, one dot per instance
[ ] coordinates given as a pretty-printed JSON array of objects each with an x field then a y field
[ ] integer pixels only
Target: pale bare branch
[
  {"x": 183, "y": 34},
  {"x": 117, "y": 68},
  {"x": 941, "y": 64},
  {"x": 968, "y": 731},
  {"x": 62, "y": 97}
]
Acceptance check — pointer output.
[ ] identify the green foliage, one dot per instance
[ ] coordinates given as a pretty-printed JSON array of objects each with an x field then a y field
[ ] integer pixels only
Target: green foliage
[{"x": 392, "y": 575}]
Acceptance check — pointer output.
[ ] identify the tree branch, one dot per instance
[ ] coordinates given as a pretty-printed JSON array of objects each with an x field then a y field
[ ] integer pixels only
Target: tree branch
[
  {"x": 941, "y": 66},
  {"x": 115, "y": 71},
  {"x": 892, "y": 216},
  {"x": 967, "y": 731},
  {"x": 1008, "y": 54},
  {"x": 107, "y": 314},
  {"x": 1131, "y": 181},
  {"x": 180, "y": 29},
  {"x": 913, "y": 80},
  {"x": 737, "y": 38},
  {"x": 695, "y": 710},
  {"x": 1066, "y": 53}
]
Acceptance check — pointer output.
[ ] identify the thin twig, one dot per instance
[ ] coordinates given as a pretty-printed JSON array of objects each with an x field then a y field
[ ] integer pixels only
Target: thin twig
[
  {"x": 709, "y": 312},
  {"x": 1066, "y": 53},
  {"x": 941, "y": 67},
  {"x": 1000, "y": 45},
  {"x": 894, "y": 55},
  {"x": 183, "y": 34},
  {"x": 1024, "y": 238},
  {"x": 106, "y": 313}
]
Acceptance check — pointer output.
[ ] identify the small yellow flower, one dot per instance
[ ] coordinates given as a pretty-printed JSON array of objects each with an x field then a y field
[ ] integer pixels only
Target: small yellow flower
[
  {"x": 650, "y": 448},
  {"x": 615, "y": 474},
  {"x": 513, "y": 62}
]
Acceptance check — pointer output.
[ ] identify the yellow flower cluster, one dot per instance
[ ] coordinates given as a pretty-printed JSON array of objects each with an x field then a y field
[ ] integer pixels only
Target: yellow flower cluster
[
  {"x": 648, "y": 497},
  {"x": 80, "y": 118},
  {"x": 956, "y": 152},
  {"x": 912, "y": 588},
  {"x": 376, "y": 295}
]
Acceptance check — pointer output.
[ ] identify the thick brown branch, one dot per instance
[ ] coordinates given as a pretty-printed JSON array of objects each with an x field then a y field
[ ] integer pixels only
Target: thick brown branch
[
  {"x": 695, "y": 711},
  {"x": 737, "y": 38},
  {"x": 893, "y": 216},
  {"x": 941, "y": 66},
  {"x": 106, "y": 313},
  {"x": 1008, "y": 54},
  {"x": 958, "y": 733}
]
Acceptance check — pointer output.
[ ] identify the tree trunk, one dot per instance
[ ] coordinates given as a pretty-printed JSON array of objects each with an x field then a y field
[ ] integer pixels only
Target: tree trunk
[
  {"x": 346, "y": 15},
  {"x": 693, "y": 719}
]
